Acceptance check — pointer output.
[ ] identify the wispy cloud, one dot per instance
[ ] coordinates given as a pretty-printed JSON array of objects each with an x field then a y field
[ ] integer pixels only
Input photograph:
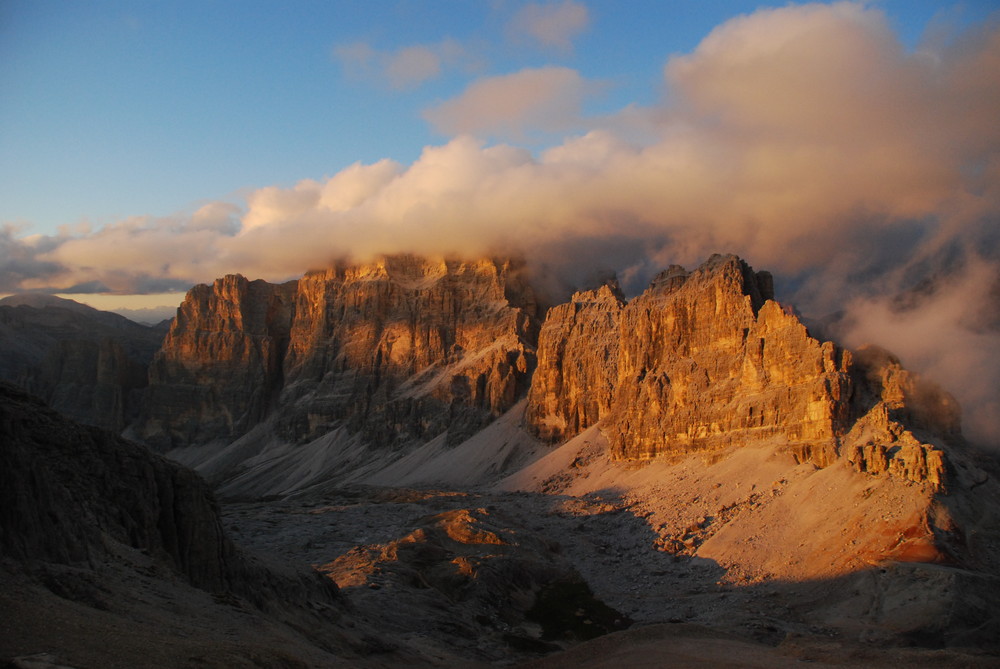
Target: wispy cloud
[
  {"x": 403, "y": 68},
  {"x": 550, "y": 25},
  {"x": 948, "y": 329}
]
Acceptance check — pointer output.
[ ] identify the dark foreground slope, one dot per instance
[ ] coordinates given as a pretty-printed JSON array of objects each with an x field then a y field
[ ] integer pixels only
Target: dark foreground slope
[{"x": 115, "y": 557}]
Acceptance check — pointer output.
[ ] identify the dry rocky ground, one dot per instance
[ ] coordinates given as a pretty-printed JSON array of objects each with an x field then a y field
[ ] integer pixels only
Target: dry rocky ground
[{"x": 682, "y": 609}]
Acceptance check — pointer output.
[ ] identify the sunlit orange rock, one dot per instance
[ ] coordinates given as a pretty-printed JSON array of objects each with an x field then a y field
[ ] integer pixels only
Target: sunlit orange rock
[
  {"x": 402, "y": 348},
  {"x": 707, "y": 361}
]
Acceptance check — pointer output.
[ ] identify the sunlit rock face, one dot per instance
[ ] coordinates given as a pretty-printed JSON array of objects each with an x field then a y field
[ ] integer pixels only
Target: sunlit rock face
[
  {"x": 577, "y": 363},
  {"x": 903, "y": 411},
  {"x": 707, "y": 360},
  {"x": 406, "y": 348},
  {"x": 402, "y": 348},
  {"x": 220, "y": 367}
]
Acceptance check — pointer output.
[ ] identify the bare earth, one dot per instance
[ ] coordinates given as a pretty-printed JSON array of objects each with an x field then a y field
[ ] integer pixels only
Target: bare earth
[
  {"x": 714, "y": 564},
  {"x": 746, "y": 559}
]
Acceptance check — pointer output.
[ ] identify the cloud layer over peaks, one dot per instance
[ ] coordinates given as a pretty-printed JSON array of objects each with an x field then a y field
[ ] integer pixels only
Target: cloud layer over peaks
[
  {"x": 798, "y": 137},
  {"x": 807, "y": 139}
]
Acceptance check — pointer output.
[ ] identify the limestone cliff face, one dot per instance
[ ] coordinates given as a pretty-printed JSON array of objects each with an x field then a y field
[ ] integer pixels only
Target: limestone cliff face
[
  {"x": 707, "y": 360},
  {"x": 220, "y": 365},
  {"x": 407, "y": 348},
  {"x": 403, "y": 348},
  {"x": 577, "y": 363},
  {"x": 893, "y": 407}
]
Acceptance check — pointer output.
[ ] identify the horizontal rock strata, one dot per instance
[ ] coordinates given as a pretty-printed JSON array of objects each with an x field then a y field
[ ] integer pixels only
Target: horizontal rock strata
[{"x": 220, "y": 365}]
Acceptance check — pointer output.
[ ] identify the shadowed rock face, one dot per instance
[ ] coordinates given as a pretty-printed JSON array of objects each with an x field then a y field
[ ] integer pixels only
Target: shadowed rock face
[
  {"x": 85, "y": 483},
  {"x": 707, "y": 360},
  {"x": 70, "y": 493},
  {"x": 398, "y": 350},
  {"x": 88, "y": 364}
]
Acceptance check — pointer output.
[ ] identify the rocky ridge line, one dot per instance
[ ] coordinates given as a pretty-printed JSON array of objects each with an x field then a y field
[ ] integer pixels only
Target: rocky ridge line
[
  {"x": 400, "y": 350},
  {"x": 90, "y": 365},
  {"x": 707, "y": 360},
  {"x": 405, "y": 349}
]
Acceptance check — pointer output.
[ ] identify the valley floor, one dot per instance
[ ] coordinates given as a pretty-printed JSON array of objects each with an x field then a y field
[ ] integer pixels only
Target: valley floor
[{"x": 684, "y": 611}]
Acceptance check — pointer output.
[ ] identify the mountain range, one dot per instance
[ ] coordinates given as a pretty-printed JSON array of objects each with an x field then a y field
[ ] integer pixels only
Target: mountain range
[{"x": 465, "y": 463}]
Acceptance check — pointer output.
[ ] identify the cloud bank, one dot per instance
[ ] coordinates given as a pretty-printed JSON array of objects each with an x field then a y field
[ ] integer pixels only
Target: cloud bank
[{"x": 807, "y": 139}]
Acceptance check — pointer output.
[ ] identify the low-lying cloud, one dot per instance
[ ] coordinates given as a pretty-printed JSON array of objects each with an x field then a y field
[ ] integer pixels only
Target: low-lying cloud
[{"x": 807, "y": 139}]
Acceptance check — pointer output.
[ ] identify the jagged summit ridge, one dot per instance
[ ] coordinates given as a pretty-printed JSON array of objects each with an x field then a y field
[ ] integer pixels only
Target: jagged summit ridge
[
  {"x": 405, "y": 349},
  {"x": 707, "y": 360},
  {"x": 401, "y": 349}
]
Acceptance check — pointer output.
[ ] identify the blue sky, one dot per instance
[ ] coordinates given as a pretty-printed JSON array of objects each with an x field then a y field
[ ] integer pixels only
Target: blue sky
[{"x": 116, "y": 109}]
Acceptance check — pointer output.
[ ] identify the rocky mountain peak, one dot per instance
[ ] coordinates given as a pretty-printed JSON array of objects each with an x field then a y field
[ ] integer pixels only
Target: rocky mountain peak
[
  {"x": 608, "y": 292},
  {"x": 707, "y": 361},
  {"x": 915, "y": 400},
  {"x": 405, "y": 349},
  {"x": 703, "y": 433},
  {"x": 382, "y": 347}
]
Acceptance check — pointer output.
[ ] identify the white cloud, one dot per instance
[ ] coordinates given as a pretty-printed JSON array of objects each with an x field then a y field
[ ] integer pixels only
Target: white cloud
[
  {"x": 900, "y": 153},
  {"x": 941, "y": 332},
  {"x": 221, "y": 217}
]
